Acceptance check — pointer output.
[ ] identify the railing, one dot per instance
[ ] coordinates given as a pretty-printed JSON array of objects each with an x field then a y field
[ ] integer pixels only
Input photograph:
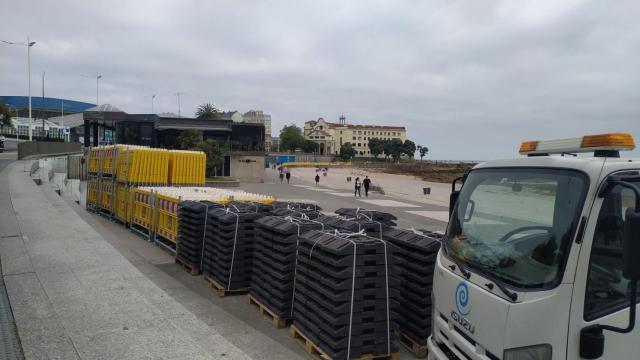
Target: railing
[{"x": 39, "y": 134}]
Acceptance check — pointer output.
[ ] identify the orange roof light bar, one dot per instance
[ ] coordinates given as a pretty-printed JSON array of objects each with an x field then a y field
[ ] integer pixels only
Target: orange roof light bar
[
  {"x": 613, "y": 141},
  {"x": 618, "y": 141},
  {"x": 528, "y": 146}
]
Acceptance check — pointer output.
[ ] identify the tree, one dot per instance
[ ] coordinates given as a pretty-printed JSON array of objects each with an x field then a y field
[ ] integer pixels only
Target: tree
[
  {"x": 409, "y": 148},
  {"x": 376, "y": 147},
  {"x": 189, "y": 138},
  {"x": 309, "y": 146},
  {"x": 5, "y": 115},
  {"x": 387, "y": 148},
  {"x": 347, "y": 152},
  {"x": 423, "y": 150},
  {"x": 291, "y": 138},
  {"x": 215, "y": 156},
  {"x": 207, "y": 111},
  {"x": 394, "y": 148}
]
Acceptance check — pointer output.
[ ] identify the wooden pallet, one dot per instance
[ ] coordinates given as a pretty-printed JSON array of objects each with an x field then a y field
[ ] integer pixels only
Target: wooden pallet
[
  {"x": 278, "y": 322},
  {"x": 193, "y": 270},
  {"x": 220, "y": 290},
  {"x": 419, "y": 350},
  {"x": 317, "y": 353}
]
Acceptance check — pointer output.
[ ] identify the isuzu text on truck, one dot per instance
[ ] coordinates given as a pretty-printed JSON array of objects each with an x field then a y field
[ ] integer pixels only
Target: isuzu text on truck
[{"x": 541, "y": 256}]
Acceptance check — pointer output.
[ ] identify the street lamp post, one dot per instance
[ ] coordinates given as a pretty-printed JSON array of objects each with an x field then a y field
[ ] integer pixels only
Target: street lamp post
[
  {"x": 29, "y": 44},
  {"x": 152, "y": 98},
  {"x": 98, "y": 77}
]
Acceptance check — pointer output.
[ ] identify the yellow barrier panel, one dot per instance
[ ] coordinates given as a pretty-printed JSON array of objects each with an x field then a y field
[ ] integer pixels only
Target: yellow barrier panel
[
  {"x": 167, "y": 224},
  {"x": 92, "y": 191},
  {"x": 124, "y": 203},
  {"x": 140, "y": 165},
  {"x": 187, "y": 167},
  {"x": 142, "y": 212},
  {"x": 106, "y": 195}
]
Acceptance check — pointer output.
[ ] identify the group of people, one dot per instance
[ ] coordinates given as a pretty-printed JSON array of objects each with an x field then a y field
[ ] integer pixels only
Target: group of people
[
  {"x": 284, "y": 173},
  {"x": 366, "y": 183}
]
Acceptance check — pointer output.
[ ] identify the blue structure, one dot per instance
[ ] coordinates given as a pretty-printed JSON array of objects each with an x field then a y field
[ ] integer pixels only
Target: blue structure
[{"x": 48, "y": 108}]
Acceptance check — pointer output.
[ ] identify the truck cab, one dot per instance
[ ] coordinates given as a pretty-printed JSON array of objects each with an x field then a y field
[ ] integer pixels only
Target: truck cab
[{"x": 541, "y": 256}]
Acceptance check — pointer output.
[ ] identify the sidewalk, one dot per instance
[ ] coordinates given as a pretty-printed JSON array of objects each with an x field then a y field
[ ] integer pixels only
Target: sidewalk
[{"x": 76, "y": 297}]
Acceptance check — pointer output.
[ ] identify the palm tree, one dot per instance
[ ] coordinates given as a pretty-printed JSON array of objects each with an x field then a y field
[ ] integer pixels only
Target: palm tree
[{"x": 207, "y": 111}]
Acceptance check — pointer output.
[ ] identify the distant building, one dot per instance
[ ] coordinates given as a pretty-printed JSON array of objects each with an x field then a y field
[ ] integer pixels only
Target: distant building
[
  {"x": 43, "y": 108},
  {"x": 275, "y": 143},
  {"x": 329, "y": 137},
  {"x": 259, "y": 117},
  {"x": 234, "y": 116}
]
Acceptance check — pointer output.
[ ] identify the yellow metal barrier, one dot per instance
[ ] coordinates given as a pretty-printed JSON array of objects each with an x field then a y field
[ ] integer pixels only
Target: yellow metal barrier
[
  {"x": 92, "y": 191},
  {"x": 124, "y": 203},
  {"x": 140, "y": 165},
  {"x": 93, "y": 164},
  {"x": 187, "y": 167},
  {"x": 106, "y": 195},
  {"x": 142, "y": 212},
  {"x": 167, "y": 216}
]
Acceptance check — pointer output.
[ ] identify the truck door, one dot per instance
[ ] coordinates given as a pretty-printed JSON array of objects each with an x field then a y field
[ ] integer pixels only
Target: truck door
[{"x": 600, "y": 290}]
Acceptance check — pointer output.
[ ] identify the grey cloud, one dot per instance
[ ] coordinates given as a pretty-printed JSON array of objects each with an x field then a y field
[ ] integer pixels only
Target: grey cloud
[{"x": 469, "y": 79}]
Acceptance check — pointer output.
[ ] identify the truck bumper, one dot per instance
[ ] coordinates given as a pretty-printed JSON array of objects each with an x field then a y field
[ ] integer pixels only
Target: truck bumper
[{"x": 434, "y": 353}]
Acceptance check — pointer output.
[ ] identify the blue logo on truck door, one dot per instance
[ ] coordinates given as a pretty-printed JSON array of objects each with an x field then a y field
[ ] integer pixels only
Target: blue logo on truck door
[{"x": 462, "y": 299}]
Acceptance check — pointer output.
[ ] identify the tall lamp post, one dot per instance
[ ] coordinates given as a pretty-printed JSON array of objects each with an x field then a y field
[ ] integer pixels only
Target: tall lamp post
[
  {"x": 98, "y": 77},
  {"x": 28, "y": 44}
]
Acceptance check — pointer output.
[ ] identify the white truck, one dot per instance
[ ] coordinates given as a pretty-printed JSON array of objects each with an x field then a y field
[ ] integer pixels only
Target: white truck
[{"x": 541, "y": 256}]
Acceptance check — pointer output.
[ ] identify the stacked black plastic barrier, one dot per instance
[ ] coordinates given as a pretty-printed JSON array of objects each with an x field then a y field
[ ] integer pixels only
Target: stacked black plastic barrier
[
  {"x": 274, "y": 256},
  {"x": 251, "y": 207},
  {"x": 373, "y": 215},
  {"x": 346, "y": 310},
  {"x": 416, "y": 255},
  {"x": 297, "y": 213},
  {"x": 370, "y": 228},
  {"x": 296, "y": 206},
  {"x": 192, "y": 216},
  {"x": 228, "y": 247}
]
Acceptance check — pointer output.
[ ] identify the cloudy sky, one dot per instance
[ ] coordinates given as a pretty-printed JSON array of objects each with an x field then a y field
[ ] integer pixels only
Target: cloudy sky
[{"x": 469, "y": 79}]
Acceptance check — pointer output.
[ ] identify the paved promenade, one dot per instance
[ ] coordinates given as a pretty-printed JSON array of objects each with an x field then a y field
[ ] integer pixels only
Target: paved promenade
[{"x": 76, "y": 297}]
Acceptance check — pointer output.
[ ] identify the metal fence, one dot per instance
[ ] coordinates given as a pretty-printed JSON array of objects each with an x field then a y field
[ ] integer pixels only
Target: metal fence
[{"x": 52, "y": 134}]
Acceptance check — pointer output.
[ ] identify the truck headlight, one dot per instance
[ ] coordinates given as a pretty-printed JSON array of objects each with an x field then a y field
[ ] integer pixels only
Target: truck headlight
[{"x": 535, "y": 352}]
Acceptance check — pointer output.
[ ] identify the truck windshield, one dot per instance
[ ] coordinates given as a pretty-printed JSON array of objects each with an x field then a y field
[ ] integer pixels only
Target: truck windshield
[{"x": 515, "y": 224}]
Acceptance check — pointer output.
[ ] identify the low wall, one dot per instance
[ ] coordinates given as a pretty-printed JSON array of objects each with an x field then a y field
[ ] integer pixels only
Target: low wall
[
  {"x": 247, "y": 168},
  {"x": 35, "y": 149}
]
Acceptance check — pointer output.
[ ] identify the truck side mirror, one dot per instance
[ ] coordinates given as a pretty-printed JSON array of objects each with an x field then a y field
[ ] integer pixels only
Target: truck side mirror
[
  {"x": 631, "y": 245},
  {"x": 455, "y": 194}
]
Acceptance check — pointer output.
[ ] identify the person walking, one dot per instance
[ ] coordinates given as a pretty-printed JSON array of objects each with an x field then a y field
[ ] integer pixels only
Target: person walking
[
  {"x": 357, "y": 184},
  {"x": 281, "y": 176},
  {"x": 288, "y": 176},
  {"x": 366, "y": 182},
  {"x": 317, "y": 179}
]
